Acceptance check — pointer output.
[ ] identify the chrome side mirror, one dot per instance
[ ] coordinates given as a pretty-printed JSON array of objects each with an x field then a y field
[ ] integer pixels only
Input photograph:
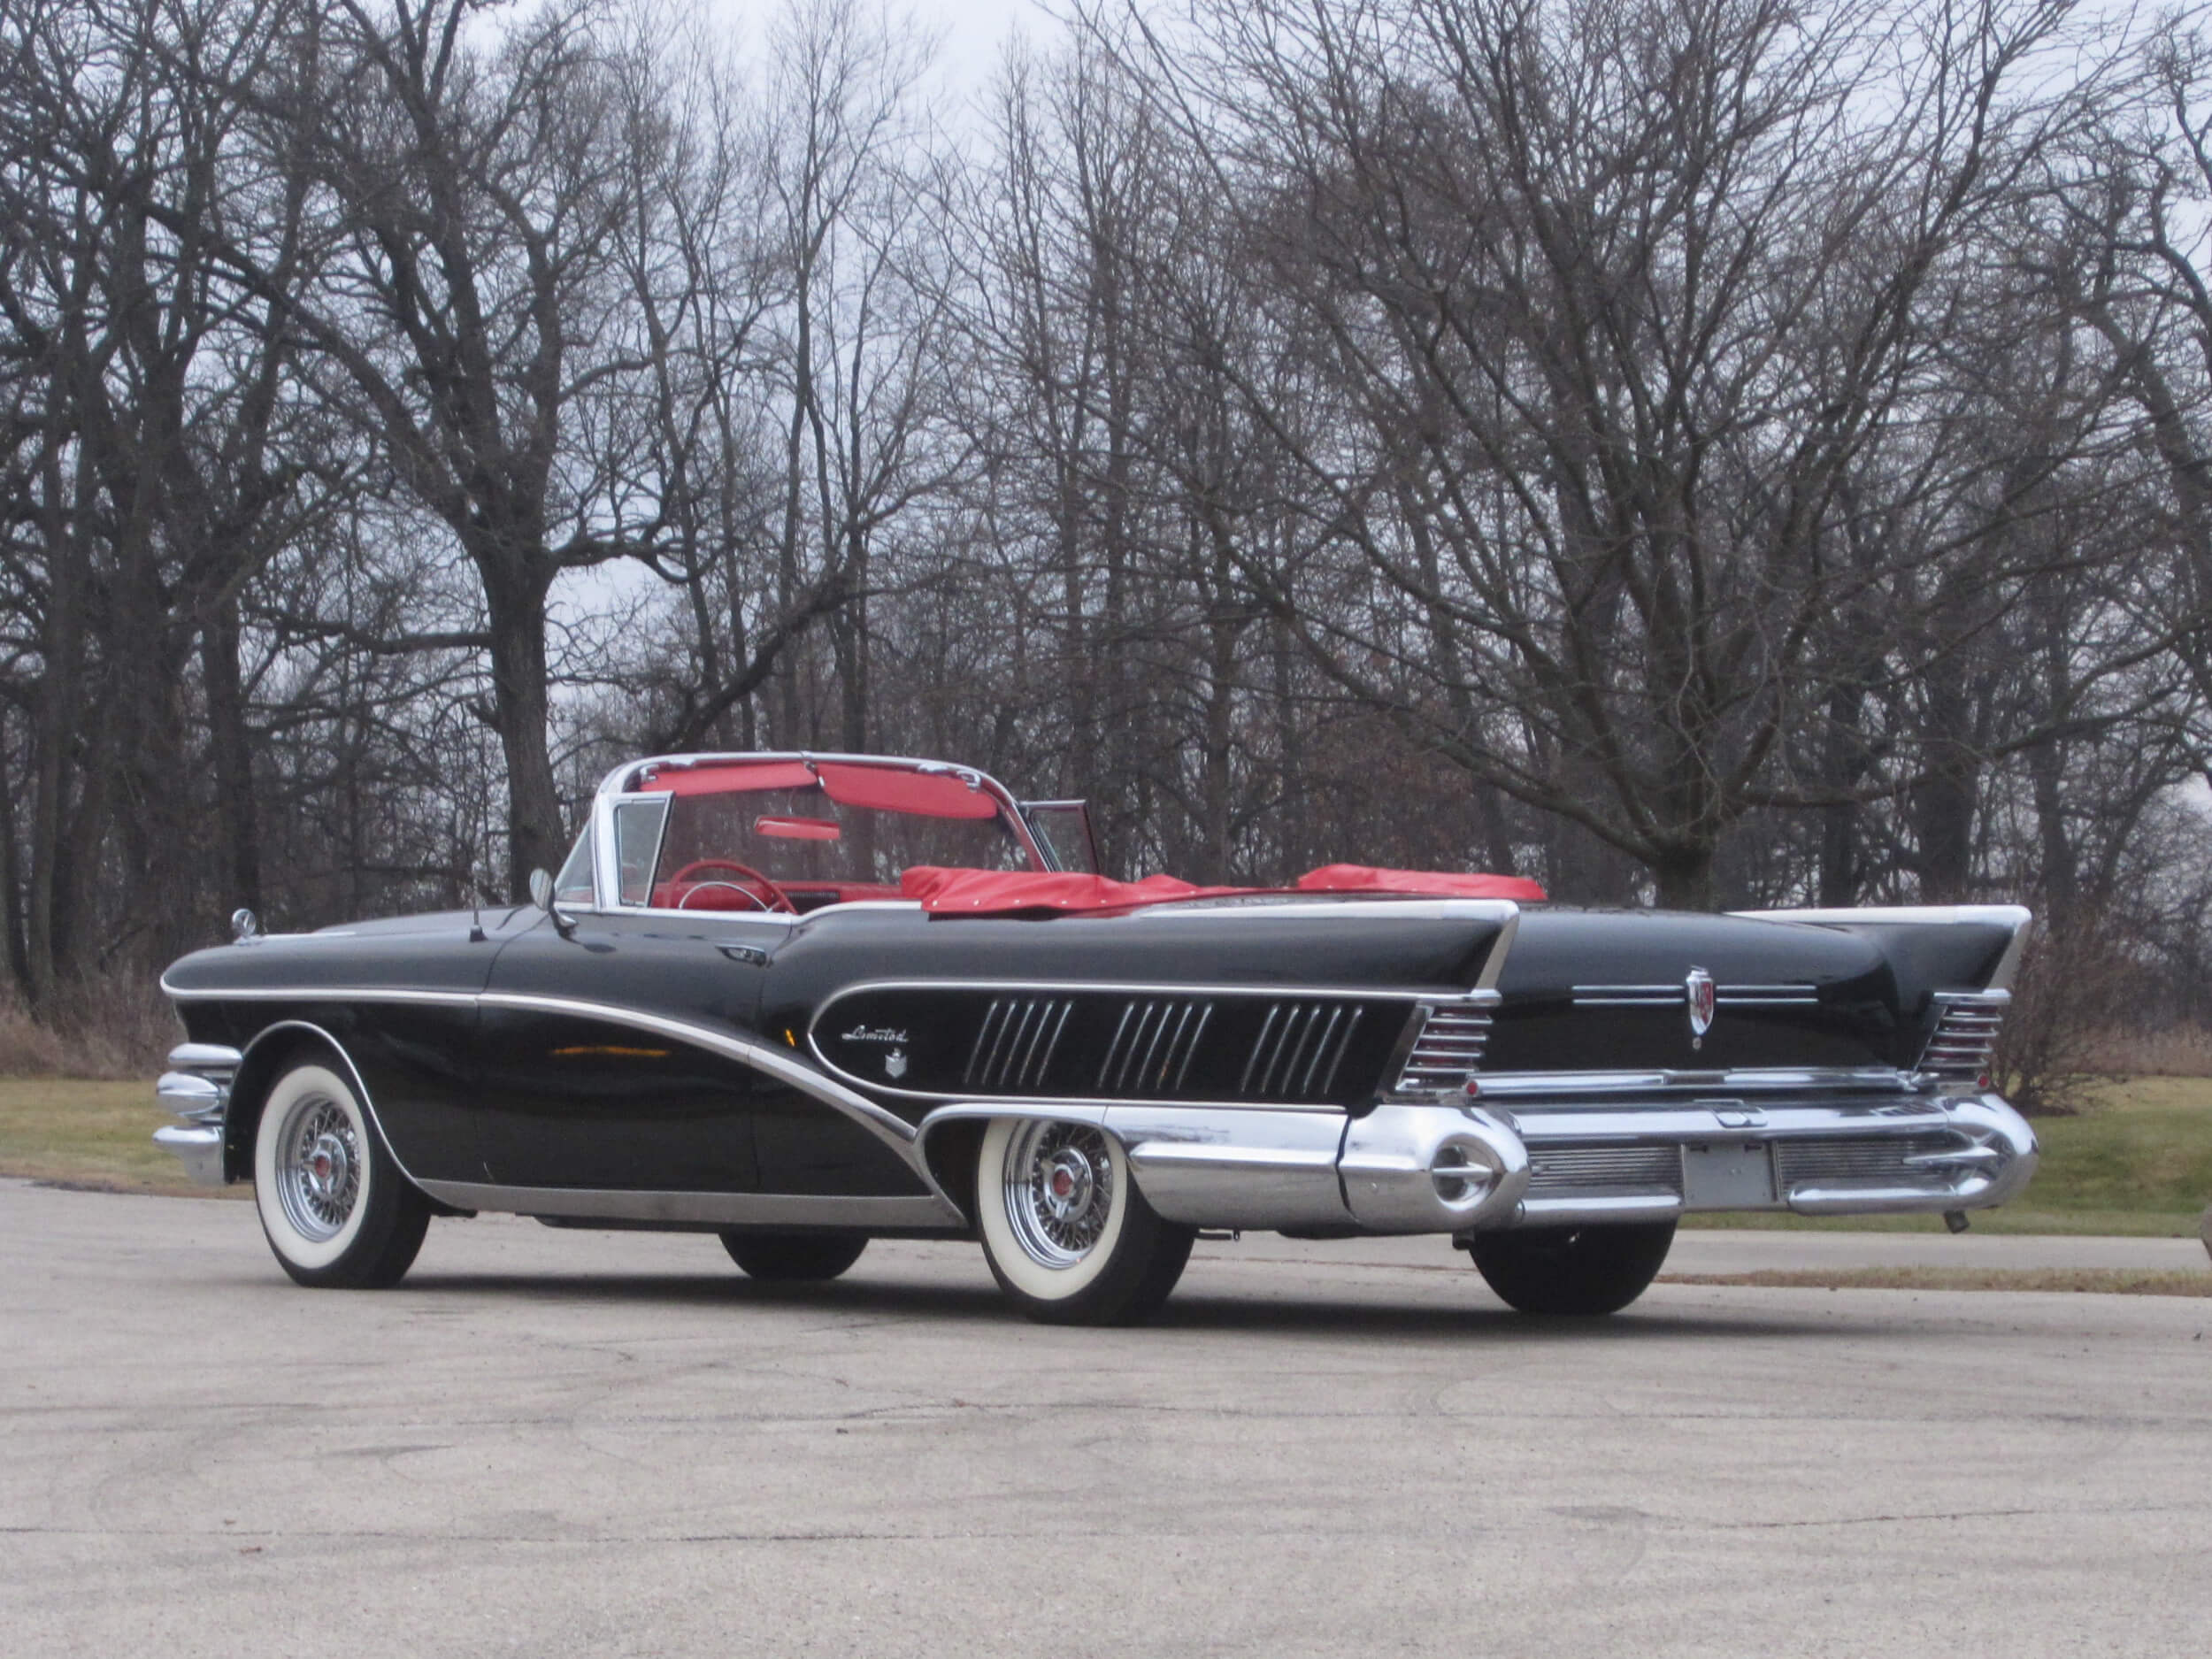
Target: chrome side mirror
[{"x": 245, "y": 927}]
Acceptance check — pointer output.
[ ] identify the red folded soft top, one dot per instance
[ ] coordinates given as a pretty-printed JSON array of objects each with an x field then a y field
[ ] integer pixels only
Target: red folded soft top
[{"x": 948, "y": 892}]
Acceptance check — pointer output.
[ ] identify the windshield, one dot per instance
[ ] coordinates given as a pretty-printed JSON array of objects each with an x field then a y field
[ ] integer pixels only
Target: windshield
[{"x": 818, "y": 850}]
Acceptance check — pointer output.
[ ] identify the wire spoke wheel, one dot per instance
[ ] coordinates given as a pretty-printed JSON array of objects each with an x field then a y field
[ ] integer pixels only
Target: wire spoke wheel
[
  {"x": 318, "y": 1167},
  {"x": 1067, "y": 1234},
  {"x": 1060, "y": 1187},
  {"x": 336, "y": 1208}
]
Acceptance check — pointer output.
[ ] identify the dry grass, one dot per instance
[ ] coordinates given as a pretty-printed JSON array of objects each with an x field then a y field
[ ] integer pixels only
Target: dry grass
[
  {"x": 90, "y": 1134},
  {"x": 2092, "y": 1281},
  {"x": 2183, "y": 1051},
  {"x": 114, "y": 1028}
]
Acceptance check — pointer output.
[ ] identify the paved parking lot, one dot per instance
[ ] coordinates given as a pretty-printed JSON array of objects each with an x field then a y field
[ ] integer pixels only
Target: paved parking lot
[{"x": 594, "y": 1443}]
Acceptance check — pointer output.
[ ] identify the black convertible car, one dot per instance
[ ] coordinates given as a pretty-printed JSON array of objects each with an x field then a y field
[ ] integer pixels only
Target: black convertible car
[{"x": 803, "y": 1001}]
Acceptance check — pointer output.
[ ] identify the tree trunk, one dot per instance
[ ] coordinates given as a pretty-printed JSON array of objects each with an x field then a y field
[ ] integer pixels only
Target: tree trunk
[
  {"x": 515, "y": 604},
  {"x": 230, "y": 753},
  {"x": 1683, "y": 876}
]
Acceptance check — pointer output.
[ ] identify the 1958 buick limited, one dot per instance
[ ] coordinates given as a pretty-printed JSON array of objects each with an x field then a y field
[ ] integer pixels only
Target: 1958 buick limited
[{"x": 803, "y": 1001}]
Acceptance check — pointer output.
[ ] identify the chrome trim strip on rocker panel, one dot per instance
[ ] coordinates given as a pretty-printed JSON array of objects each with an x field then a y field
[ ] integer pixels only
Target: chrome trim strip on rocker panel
[{"x": 718, "y": 1210}]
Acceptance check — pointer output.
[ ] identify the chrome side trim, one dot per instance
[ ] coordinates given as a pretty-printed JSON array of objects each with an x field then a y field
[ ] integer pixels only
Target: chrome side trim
[
  {"x": 1158, "y": 987},
  {"x": 1509, "y": 930},
  {"x": 1673, "y": 996},
  {"x": 895, "y": 1131},
  {"x": 1204, "y": 1166},
  {"x": 727, "y": 1210},
  {"x": 1163, "y": 992},
  {"x": 888, "y": 1126},
  {"x": 315, "y": 993},
  {"x": 2016, "y": 916}
]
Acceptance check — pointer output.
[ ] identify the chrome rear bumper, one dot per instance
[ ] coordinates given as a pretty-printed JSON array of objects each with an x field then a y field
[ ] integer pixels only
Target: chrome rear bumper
[
  {"x": 1434, "y": 1168},
  {"x": 197, "y": 1087}
]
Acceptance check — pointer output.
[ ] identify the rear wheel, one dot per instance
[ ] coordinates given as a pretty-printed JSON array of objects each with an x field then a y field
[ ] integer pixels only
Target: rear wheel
[
  {"x": 1068, "y": 1235},
  {"x": 1582, "y": 1270},
  {"x": 336, "y": 1209},
  {"x": 794, "y": 1257}
]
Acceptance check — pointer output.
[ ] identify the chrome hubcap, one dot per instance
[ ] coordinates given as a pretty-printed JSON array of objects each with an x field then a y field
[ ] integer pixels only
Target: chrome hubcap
[
  {"x": 1059, "y": 1191},
  {"x": 319, "y": 1168}
]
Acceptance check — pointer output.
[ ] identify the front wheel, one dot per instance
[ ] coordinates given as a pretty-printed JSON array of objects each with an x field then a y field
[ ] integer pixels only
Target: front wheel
[
  {"x": 794, "y": 1257},
  {"x": 1581, "y": 1270},
  {"x": 336, "y": 1209},
  {"x": 1068, "y": 1235}
]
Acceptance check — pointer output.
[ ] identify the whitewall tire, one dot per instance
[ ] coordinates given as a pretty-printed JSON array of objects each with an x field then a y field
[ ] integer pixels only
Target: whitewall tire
[
  {"x": 1067, "y": 1234},
  {"x": 334, "y": 1204}
]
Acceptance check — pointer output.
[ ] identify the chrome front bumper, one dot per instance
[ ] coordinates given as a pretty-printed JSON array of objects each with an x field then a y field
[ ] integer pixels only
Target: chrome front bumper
[
  {"x": 1436, "y": 1168},
  {"x": 197, "y": 1087}
]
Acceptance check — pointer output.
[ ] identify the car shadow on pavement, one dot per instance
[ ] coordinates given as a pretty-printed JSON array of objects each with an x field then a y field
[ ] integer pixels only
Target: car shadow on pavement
[{"x": 1306, "y": 1316}]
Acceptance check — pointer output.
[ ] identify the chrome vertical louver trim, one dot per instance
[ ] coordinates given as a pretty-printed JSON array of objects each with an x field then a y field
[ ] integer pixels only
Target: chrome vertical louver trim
[
  {"x": 1965, "y": 1037},
  {"x": 1014, "y": 1045},
  {"x": 1153, "y": 1044},
  {"x": 1447, "y": 1049},
  {"x": 1299, "y": 1050}
]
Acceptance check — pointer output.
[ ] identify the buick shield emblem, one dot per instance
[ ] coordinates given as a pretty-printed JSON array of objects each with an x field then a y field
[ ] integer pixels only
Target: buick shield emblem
[
  {"x": 1700, "y": 987},
  {"x": 894, "y": 1063}
]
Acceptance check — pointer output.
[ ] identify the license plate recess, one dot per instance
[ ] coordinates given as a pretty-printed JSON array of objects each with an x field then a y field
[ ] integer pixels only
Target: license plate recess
[{"x": 1727, "y": 1175}]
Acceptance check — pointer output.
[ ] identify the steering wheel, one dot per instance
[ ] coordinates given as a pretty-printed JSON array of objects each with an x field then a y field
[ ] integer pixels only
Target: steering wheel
[{"x": 777, "y": 899}]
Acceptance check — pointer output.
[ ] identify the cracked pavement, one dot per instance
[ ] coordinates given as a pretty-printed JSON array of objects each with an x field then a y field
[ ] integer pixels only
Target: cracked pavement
[{"x": 553, "y": 1442}]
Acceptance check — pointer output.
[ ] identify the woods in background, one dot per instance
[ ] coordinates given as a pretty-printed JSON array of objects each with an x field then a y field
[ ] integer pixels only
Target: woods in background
[{"x": 1711, "y": 452}]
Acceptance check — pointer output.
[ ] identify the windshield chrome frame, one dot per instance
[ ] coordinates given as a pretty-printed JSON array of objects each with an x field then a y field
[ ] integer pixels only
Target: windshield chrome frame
[{"x": 615, "y": 788}]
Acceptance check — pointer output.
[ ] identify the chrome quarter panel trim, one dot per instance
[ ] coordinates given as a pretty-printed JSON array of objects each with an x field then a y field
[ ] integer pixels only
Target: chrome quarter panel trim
[
  {"x": 724, "y": 1210},
  {"x": 1235, "y": 1169},
  {"x": 1398, "y": 1162},
  {"x": 1204, "y": 1166}
]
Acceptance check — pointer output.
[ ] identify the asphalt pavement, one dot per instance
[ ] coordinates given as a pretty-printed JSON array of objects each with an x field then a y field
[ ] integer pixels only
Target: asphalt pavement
[{"x": 556, "y": 1443}]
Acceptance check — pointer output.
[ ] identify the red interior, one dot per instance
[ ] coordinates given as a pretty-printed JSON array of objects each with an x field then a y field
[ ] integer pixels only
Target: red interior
[{"x": 1000, "y": 893}]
